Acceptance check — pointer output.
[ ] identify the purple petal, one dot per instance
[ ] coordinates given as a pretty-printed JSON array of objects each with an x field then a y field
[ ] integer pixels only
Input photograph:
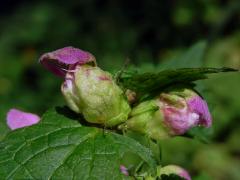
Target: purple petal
[
  {"x": 19, "y": 119},
  {"x": 124, "y": 170},
  {"x": 185, "y": 174},
  {"x": 62, "y": 60},
  {"x": 179, "y": 120},
  {"x": 199, "y": 106}
]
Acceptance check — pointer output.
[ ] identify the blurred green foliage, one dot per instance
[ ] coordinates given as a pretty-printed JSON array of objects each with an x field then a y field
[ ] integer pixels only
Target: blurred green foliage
[{"x": 152, "y": 34}]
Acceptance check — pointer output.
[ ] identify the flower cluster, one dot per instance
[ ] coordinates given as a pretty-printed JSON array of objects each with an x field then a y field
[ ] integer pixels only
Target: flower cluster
[{"x": 93, "y": 92}]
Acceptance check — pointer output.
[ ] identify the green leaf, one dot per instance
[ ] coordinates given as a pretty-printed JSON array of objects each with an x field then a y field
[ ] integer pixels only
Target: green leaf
[
  {"x": 148, "y": 83},
  {"x": 3, "y": 124},
  {"x": 192, "y": 58},
  {"x": 201, "y": 133},
  {"x": 61, "y": 148}
]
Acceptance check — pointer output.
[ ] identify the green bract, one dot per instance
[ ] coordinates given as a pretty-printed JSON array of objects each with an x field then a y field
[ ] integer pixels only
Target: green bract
[{"x": 146, "y": 118}]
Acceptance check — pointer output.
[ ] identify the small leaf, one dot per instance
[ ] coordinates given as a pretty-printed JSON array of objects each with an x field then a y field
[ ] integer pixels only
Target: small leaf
[
  {"x": 148, "y": 83},
  {"x": 61, "y": 148}
]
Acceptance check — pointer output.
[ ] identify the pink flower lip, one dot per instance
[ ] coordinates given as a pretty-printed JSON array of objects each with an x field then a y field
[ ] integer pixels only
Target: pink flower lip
[
  {"x": 179, "y": 120},
  {"x": 19, "y": 119},
  {"x": 185, "y": 174},
  {"x": 65, "y": 59},
  {"x": 199, "y": 106}
]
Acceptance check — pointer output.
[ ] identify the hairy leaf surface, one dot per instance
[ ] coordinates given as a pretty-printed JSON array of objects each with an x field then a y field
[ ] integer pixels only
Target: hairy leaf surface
[{"x": 61, "y": 148}]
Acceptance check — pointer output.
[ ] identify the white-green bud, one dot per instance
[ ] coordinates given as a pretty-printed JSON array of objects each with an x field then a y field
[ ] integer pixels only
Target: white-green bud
[{"x": 91, "y": 91}]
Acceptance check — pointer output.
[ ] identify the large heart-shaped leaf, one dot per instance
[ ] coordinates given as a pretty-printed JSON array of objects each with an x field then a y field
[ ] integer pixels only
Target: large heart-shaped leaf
[{"x": 61, "y": 148}]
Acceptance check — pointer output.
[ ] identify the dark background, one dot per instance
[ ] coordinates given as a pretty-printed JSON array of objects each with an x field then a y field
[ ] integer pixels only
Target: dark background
[{"x": 146, "y": 32}]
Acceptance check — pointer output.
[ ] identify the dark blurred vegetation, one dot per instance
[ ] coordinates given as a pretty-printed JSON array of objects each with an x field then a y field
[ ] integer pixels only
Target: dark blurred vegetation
[{"x": 146, "y": 32}]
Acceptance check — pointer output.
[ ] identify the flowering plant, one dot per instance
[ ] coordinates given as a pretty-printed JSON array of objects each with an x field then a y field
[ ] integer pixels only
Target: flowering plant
[{"x": 90, "y": 139}]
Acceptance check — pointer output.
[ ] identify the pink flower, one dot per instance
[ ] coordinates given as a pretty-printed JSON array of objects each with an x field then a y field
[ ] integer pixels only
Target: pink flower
[
  {"x": 124, "y": 170},
  {"x": 88, "y": 89},
  {"x": 19, "y": 119},
  {"x": 183, "y": 110},
  {"x": 64, "y": 60},
  {"x": 172, "y": 113}
]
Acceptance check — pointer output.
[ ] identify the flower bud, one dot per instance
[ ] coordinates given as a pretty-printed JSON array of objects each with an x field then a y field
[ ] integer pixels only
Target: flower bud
[
  {"x": 172, "y": 113},
  {"x": 18, "y": 119},
  {"x": 87, "y": 89},
  {"x": 176, "y": 170},
  {"x": 92, "y": 92}
]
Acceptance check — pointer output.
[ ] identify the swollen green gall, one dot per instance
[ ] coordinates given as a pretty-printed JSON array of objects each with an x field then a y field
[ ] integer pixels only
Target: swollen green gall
[
  {"x": 92, "y": 92},
  {"x": 170, "y": 114}
]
